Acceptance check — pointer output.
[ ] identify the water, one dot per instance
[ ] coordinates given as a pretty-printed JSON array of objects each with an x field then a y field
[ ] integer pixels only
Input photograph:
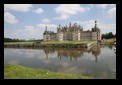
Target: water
[{"x": 98, "y": 61}]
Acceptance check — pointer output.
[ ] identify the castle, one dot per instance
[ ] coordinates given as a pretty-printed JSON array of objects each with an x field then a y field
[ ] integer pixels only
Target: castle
[{"x": 72, "y": 33}]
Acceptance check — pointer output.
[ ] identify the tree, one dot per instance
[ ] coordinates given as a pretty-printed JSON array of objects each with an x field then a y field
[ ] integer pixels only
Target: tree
[{"x": 108, "y": 35}]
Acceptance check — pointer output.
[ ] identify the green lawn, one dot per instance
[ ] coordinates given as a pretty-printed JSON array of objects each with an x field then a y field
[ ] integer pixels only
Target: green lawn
[
  {"x": 18, "y": 42},
  {"x": 12, "y": 71},
  {"x": 109, "y": 41},
  {"x": 68, "y": 42},
  {"x": 54, "y": 42}
]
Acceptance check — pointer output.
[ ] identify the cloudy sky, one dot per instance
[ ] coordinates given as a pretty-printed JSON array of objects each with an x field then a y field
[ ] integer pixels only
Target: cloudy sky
[{"x": 28, "y": 21}]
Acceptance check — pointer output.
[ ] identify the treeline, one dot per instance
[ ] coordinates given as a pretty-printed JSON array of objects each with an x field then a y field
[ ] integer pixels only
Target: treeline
[
  {"x": 17, "y": 40},
  {"x": 108, "y": 35},
  {"x": 12, "y": 40}
]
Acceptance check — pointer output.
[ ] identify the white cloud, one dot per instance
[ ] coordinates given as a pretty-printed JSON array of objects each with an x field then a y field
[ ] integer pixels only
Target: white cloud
[
  {"x": 105, "y": 28},
  {"x": 103, "y": 6},
  {"x": 87, "y": 8},
  {"x": 29, "y": 32},
  {"x": 62, "y": 17},
  {"x": 9, "y": 18},
  {"x": 17, "y": 7},
  {"x": 112, "y": 12},
  {"x": 41, "y": 25},
  {"x": 91, "y": 5},
  {"x": 112, "y": 5},
  {"x": 65, "y": 10},
  {"x": 45, "y": 20},
  {"x": 39, "y": 11},
  {"x": 50, "y": 27},
  {"x": 53, "y": 26},
  {"x": 87, "y": 25}
]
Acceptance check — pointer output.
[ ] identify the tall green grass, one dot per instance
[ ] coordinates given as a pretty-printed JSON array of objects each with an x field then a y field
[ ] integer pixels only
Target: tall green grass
[{"x": 12, "y": 71}]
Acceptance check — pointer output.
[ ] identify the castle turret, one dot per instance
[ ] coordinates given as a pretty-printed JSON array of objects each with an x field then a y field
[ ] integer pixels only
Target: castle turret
[
  {"x": 70, "y": 24},
  {"x": 95, "y": 24},
  {"x": 46, "y": 28},
  {"x": 60, "y": 36},
  {"x": 45, "y": 34},
  {"x": 59, "y": 26},
  {"x": 79, "y": 26},
  {"x": 96, "y": 27},
  {"x": 96, "y": 35}
]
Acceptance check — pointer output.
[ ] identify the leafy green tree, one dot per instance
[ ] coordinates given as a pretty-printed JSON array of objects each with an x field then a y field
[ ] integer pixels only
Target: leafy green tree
[{"x": 108, "y": 35}]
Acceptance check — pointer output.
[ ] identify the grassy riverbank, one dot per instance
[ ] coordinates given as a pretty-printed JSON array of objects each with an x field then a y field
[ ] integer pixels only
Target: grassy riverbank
[
  {"x": 53, "y": 42},
  {"x": 12, "y": 71},
  {"x": 68, "y": 42},
  {"x": 109, "y": 41},
  {"x": 18, "y": 42}
]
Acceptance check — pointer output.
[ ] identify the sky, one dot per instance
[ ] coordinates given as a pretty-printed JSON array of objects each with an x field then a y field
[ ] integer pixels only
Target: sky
[{"x": 28, "y": 21}]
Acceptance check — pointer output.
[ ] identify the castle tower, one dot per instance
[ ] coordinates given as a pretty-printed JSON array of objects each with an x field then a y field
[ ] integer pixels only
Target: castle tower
[
  {"x": 74, "y": 34},
  {"x": 96, "y": 34},
  {"x": 95, "y": 24},
  {"x": 45, "y": 34},
  {"x": 98, "y": 31},
  {"x": 70, "y": 24},
  {"x": 46, "y": 28},
  {"x": 60, "y": 36}
]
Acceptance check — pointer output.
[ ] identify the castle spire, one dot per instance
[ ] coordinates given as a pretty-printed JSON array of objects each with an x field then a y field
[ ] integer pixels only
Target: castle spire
[
  {"x": 95, "y": 24},
  {"x": 70, "y": 24},
  {"x": 82, "y": 28},
  {"x": 45, "y": 28},
  {"x": 96, "y": 27},
  {"x": 59, "y": 25}
]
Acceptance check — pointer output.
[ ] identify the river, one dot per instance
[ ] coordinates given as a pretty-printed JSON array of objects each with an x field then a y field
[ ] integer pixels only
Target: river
[{"x": 98, "y": 61}]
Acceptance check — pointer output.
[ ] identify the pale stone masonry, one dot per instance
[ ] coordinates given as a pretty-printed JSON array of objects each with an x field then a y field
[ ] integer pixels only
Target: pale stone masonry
[{"x": 72, "y": 33}]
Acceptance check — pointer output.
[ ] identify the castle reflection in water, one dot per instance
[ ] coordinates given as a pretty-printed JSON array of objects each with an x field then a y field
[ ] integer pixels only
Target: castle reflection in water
[{"x": 74, "y": 53}]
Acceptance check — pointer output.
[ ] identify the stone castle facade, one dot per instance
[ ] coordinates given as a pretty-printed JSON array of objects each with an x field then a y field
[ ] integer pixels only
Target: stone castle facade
[{"x": 72, "y": 33}]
